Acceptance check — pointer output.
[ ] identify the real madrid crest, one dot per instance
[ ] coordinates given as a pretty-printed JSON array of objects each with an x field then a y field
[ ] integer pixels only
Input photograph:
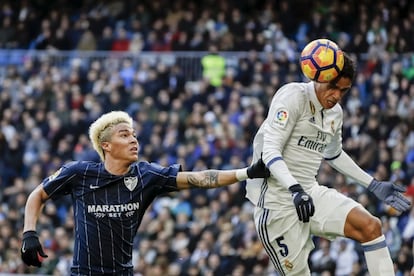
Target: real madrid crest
[
  {"x": 131, "y": 182},
  {"x": 288, "y": 265},
  {"x": 312, "y": 110},
  {"x": 312, "y": 107}
]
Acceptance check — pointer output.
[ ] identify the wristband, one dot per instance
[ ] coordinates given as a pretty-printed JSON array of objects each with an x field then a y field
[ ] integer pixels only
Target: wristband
[
  {"x": 241, "y": 174},
  {"x": 296, "y": 189},
  {"x": 29, "y": 233}
]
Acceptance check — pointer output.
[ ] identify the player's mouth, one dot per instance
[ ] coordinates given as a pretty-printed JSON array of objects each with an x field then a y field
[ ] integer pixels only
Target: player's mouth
[{"x": 331, "y": 103}]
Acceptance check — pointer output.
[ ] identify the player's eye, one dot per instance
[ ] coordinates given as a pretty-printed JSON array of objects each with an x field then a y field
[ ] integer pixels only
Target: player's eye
[{"x": 332, "y": 86}]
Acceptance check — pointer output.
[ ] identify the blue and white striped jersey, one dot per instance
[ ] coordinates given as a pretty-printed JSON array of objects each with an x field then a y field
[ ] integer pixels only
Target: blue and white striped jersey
[{"x": 108, "y": 210}]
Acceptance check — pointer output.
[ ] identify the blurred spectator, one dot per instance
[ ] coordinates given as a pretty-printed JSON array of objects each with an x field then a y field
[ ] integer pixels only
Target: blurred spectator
[
  {"x": 392, "y": 236},
  {"x": 106, "y": 40},
  {"x": 7, "y": 34},
  {"x": 322, "y": 260},
  {"x": 214, "y": 66},
  {"x": 346, "y": 258},
  {"x": 87, "y": 42},
  {"x": 121, "y": 41}
]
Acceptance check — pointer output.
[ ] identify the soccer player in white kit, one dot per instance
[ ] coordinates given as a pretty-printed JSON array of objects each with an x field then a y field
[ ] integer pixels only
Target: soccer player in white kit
[{"x": 302, "y": 128}]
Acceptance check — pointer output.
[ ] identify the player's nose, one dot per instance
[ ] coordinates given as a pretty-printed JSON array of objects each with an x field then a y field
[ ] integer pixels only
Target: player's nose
[
  {"x": 134, "y": 140},
  {"x": 337, "y": 94}
]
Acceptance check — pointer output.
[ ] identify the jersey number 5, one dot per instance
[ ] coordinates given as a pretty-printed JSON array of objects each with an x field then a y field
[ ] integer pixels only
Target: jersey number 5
[{"x": 284, "y": 251}]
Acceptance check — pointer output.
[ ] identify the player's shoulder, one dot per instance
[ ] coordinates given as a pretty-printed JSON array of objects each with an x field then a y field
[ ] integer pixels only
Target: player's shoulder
[
  {"x": 141, "y": 164},
  {"x": 293, "y": 89},
  {"x": 293, "y": 92},
  {"x": 76, "y": 166},
  {"x": 145, "y": 165},
  {"x": 154, "y": 168}
]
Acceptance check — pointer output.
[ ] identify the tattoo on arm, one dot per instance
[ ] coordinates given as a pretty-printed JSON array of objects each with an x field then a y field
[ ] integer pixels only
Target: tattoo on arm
[{"x": 206, "y": 180}]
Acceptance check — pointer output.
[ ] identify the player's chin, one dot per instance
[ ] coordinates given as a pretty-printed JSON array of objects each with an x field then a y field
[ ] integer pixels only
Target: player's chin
[
  {"x": 329, "y": 104},
  {"x": 133, "y": 157}
]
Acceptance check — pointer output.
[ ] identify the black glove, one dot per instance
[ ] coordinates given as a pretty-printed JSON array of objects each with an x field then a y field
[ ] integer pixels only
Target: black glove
[
  {"x": 303, "y": 203},
  {"x": 258, "y": 170},
  {"x": 32, "y": 251}
]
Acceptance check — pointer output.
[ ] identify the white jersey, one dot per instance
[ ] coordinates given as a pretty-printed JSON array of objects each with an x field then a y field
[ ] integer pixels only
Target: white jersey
[{"x": 296, "y": 135}]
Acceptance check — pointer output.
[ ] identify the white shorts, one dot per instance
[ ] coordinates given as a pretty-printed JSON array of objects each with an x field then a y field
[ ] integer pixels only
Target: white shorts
[{"x": 288, "y": 241}]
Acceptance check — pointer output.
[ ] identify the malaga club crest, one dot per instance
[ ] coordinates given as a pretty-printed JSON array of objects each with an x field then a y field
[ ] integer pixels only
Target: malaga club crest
[{"x": 131, "y": 182}]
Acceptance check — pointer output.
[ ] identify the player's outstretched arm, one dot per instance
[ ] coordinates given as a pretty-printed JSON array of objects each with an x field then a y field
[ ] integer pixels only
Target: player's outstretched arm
[
  {"x": 32, "y": 251},
  {"x": 208, "y": 179}
]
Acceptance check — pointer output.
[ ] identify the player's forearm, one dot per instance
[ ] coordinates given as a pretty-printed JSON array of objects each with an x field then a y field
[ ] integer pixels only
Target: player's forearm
[
  {"x": 277, "y": 166},
  {"x": 209, "y": 178},
  {"x": 280, "y": 171},
  {"x": 273, "y": 146},
  {"x": 34, "y": 206},
  {"x": 345, "y": 165}
]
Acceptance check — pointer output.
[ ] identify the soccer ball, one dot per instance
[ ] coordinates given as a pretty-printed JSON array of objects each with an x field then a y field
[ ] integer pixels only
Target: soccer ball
[{"x": 321, "y": 60}]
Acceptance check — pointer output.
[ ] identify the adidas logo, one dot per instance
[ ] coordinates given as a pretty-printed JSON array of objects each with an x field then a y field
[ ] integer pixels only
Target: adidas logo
[{"x": 312, "y": 120}]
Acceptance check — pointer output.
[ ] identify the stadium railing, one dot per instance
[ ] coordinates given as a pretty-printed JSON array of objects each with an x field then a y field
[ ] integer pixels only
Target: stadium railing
[{"x": 189, "y": 62}]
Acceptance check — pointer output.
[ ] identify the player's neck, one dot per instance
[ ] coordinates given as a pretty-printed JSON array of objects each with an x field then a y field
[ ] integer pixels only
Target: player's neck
[{"x": 116, "y": 167}]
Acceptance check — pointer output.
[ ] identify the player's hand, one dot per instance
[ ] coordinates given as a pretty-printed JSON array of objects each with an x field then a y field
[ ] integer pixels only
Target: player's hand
[
  {"x": 32, "y": 251},
  {"x": 303, "y": 203},
  {"x": 258, "y": 170},
  {"x": 390, "y": 193}
]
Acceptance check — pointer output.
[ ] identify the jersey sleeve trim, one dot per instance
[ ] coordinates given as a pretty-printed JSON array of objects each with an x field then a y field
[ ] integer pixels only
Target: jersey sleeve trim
[
  {"x": 332, "y": 158},
  {"x": 273, "y": 161}
]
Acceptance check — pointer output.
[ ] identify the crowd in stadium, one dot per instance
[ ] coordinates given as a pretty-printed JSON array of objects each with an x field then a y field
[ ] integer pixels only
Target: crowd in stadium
[{"x": 45, "y": 111}]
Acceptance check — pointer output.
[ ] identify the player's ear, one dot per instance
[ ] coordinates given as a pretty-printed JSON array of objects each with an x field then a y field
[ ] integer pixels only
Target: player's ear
[{"x": 105, "y": 146}]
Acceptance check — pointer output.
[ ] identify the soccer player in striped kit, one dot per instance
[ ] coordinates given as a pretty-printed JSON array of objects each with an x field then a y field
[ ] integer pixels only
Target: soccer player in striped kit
[
  {"x": 303, "y": 127},
  {"x": 110, "y": 197}
]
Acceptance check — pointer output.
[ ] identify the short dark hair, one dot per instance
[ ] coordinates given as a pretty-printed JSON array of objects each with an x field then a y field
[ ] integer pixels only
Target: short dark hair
[{"x": 349, "y": 69}]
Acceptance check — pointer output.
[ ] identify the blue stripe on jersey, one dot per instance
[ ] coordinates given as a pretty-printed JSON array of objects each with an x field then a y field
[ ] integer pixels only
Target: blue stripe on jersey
[
  {"x": 273, "y": 161},
  {"x": 263, "y": 189},
  {"x": 267, "y": 244},
  {"x": 332, "y": 158},
  {"x": 375, "y": 246}
]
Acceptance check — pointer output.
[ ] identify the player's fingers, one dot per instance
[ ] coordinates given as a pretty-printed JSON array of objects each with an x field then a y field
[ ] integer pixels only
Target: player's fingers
[
  {"x": 27, "y": 259},
  {"x": 300, "y": 213},
  {"x": 398, "y": 207},
  {"x": 305, "y": 213},
  {"x": 41, "y": 254},
  {"x": 33, "y": 256},
  {"x": 30, "y": 258},
  {"x": 399, "y": 188},
  {"x": 400, "y": 204},
  {"x": 306, "y": 217},
  {"x": 311, "y": 209},
  {"x": 40, "y": 258},
  {"x": 400, "y": 197},
  {"x": 405, "y": 204}
]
